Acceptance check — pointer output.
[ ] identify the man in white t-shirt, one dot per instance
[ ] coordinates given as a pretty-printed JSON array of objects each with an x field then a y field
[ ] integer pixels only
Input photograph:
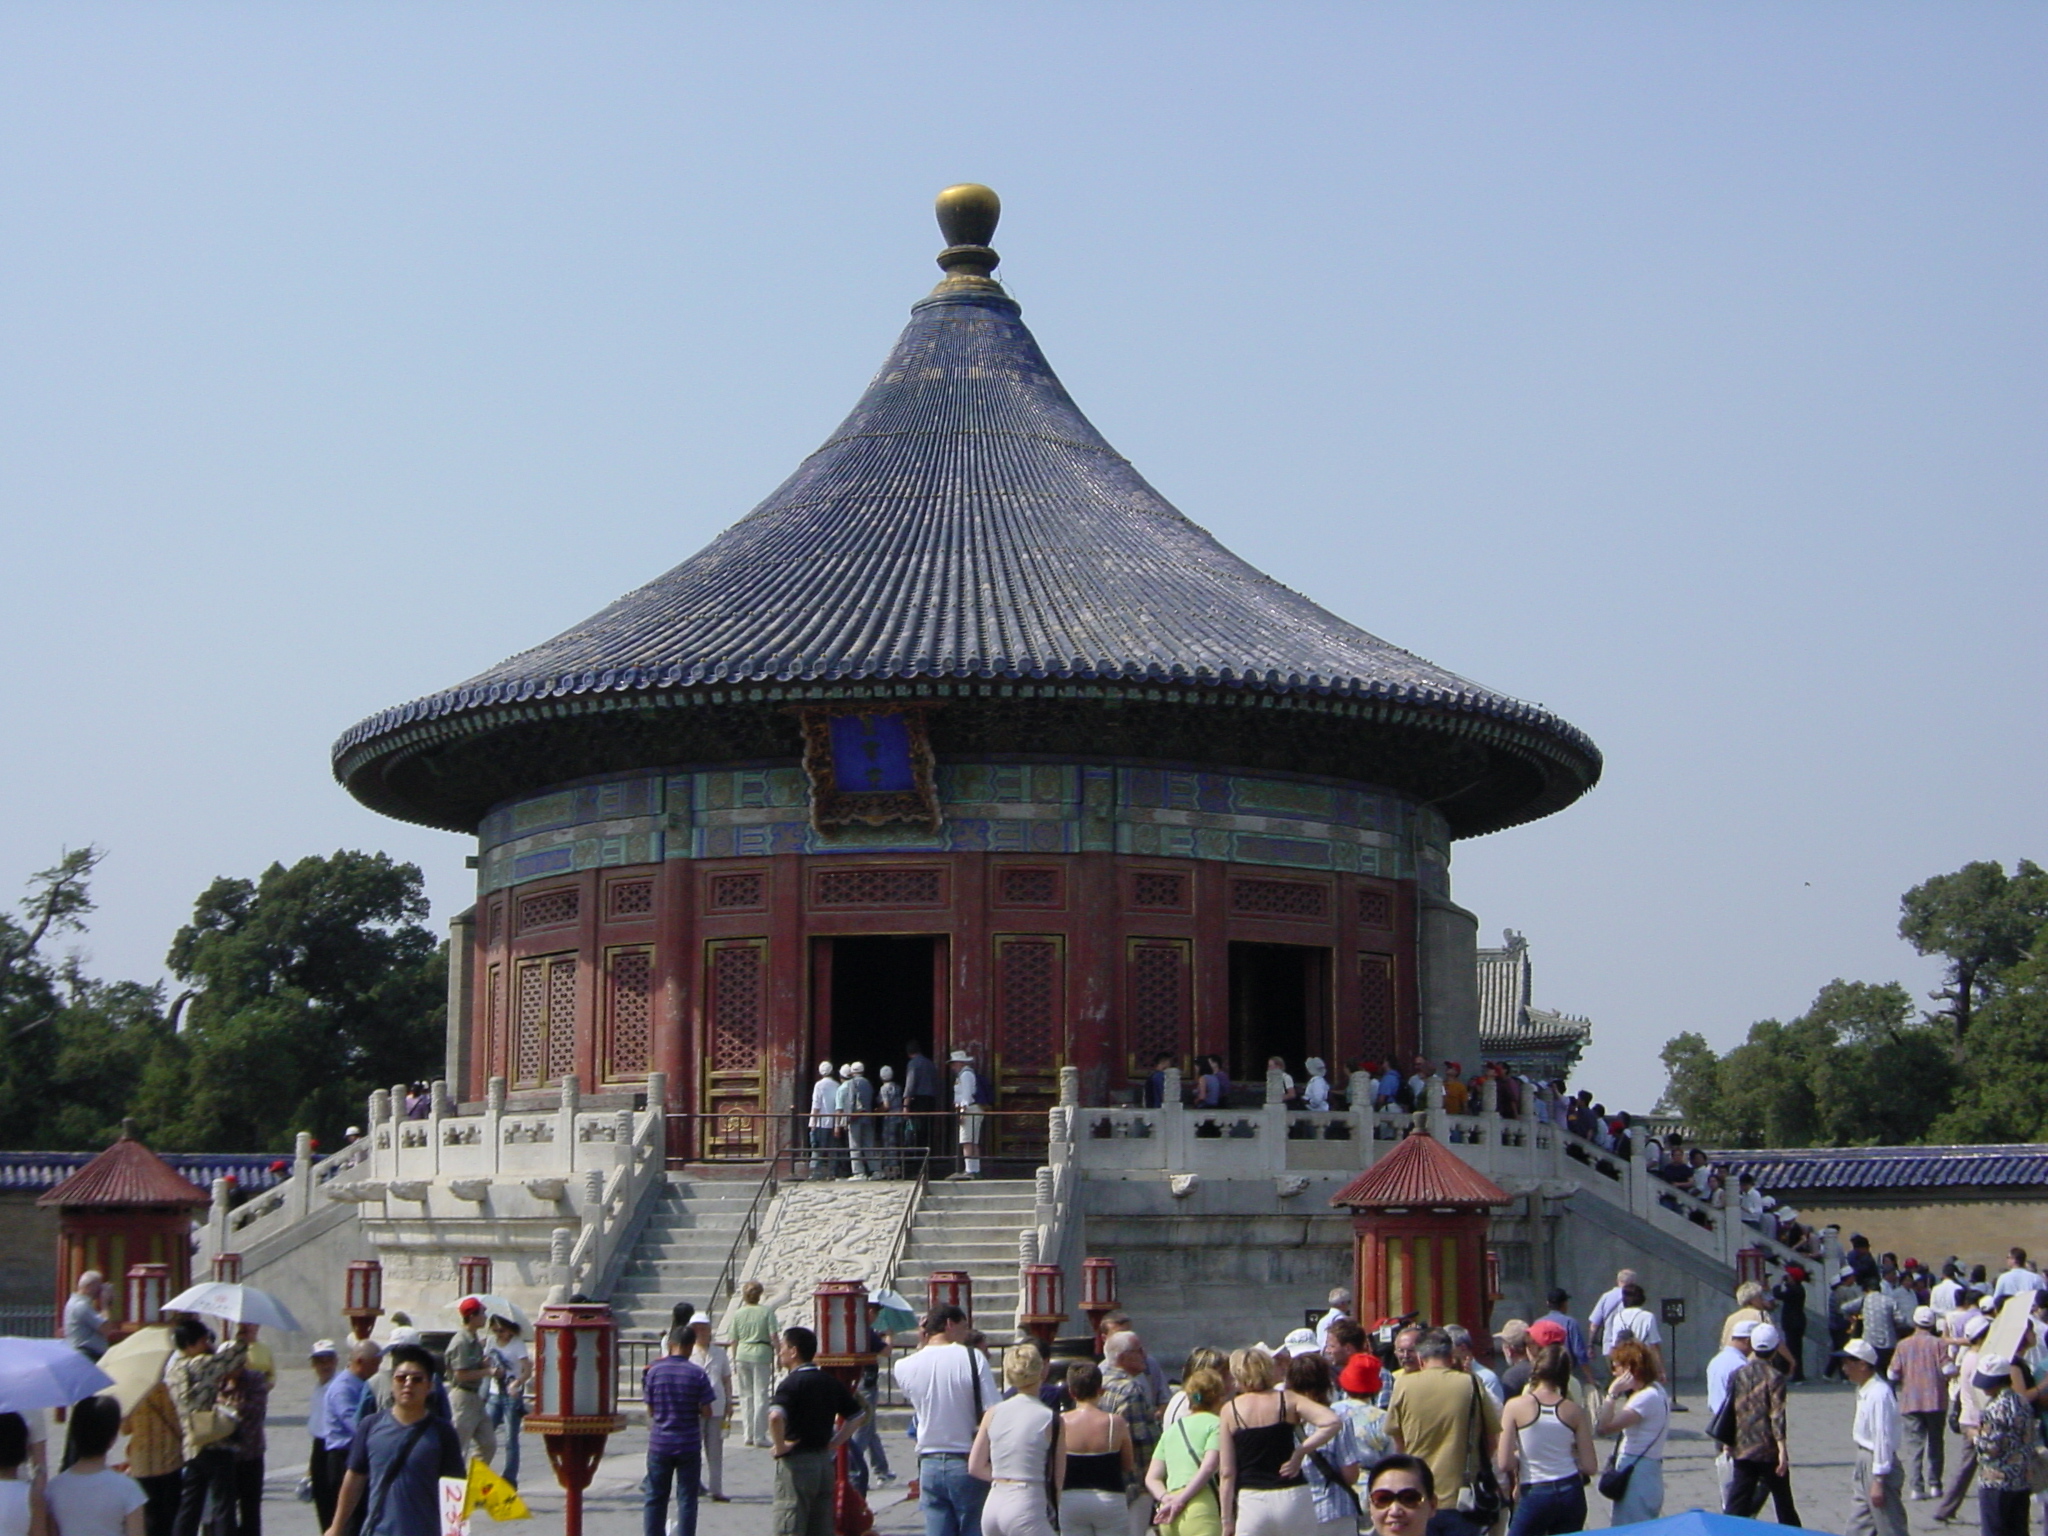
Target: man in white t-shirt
[
  {"x": 1340, "y": 1306},
  {"x": 2017, "y": 1276},
  {"x": 949, "y": 1386},
  {"x": 1635, "y": 1321},
  {"x": 1608, "y": 1304}
]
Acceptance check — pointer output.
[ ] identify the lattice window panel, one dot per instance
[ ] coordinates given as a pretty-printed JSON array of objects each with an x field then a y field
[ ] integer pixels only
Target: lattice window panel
[
  {"x": 735, "y": 1020},
  {"x": 1028, "y": 887},
  {"x": 497, "y": 923},
  {"x": 738, "y": 893},
  {"x": 1028, "y": 1003},
  {"x": 1159, "y": 890},
  {"x": 1160, "y": 1002},
  {"x": 629, "y": 1025},
  {"x": 1296, "y": 899},
  {"x": 494, "y": 1036},
  {"x": 529, "y": 1025},
  {"x": 1375, "y": 1007},
  {"x": 1375, "y": 908},
  {"x": 876, "y": 888},
  {"x": 629, "y": 899},
  {"x": 736, "y": 1008},
  {"x": 550, "y": 909},
  {"x": 561, "y": 1019}
]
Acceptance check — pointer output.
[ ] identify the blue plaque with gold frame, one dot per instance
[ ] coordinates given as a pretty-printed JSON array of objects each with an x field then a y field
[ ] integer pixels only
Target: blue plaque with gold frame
[{"x": 869, "y": 765}]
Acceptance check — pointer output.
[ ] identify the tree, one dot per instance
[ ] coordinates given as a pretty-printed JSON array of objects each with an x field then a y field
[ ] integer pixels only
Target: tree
[
  {"x": 314, "y": 985},
  {"x": 2003, "y": 1095},
  {"x": 58, "y": 899},
  {"x": 1982, "y": 922}
]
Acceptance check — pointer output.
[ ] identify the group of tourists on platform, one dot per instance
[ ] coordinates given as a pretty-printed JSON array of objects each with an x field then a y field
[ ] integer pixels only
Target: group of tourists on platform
[{"x": 882, "y": 1129}]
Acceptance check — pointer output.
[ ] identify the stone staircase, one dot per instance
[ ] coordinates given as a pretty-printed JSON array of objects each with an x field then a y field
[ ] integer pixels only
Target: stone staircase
[
  {"x": 971, "y": 1225},
  {"x": 680, "y": 1250}
]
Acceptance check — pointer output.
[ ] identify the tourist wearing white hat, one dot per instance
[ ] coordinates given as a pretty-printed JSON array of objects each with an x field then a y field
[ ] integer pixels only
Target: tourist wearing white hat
[
  {"x": 2006, "y": 1437},
  {"x": 1315, "y": 1094},
  {"x": 856, "y": 1113},
  {"x": 824, "y": 1123},
  {"x": 968, "y": 1098},
  {"x": 895, "y": 1125},
  {"x": 1877, "y": 1487},
  {"x": 1969, "y": 1405},
  {"x": 1918, "y": 1374},
  {"x": 1760, "y": 1457}
]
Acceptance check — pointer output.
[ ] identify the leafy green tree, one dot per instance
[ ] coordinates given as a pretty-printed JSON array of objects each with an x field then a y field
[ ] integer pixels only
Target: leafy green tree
[
  {"x": 2003, "y": 1095},
  {"x": 314, "y": 984},
  {"x": 108, "y": 1037},
  {"x": 1981, "y": 921}
]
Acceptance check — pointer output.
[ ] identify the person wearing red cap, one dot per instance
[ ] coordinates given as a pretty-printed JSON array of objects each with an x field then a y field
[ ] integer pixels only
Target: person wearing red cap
[
  {"x": 1358, "y": 1405},
  {"x": 468, "y": 1364}
]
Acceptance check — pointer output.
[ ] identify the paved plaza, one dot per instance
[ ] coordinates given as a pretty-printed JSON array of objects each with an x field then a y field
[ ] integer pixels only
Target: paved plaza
[{"x": 1820, "y": 1415}]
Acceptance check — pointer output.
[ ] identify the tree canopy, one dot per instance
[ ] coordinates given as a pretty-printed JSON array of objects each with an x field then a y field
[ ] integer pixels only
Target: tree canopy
[
  {"x": 1864, "y": 1066},
  {"x": 302, "y": 991}
]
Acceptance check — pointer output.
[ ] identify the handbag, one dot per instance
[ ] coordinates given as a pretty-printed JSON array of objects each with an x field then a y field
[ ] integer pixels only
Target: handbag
[
  {"x": 210, "y": 1426},
  {"x": 1480, "y": 1497},
  {"x": 1615, "y": 1475},
  {"x": 1721, "y": 1427}
]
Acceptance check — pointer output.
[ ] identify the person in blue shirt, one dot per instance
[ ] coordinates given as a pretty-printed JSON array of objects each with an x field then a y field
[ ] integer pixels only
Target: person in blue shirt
[
  {"x": 336, "y": 1425},
  {"x": 398, "y": 1458},
  {"x": 678, "y": 1395}
]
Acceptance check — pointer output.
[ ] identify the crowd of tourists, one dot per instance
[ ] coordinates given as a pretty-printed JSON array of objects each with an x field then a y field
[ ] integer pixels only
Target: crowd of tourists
[{"x": 859, "y": 1128}]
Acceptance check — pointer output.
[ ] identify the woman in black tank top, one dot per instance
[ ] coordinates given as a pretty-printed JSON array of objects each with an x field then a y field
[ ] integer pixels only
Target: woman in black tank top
[{"x": 1264, "y": 1492}]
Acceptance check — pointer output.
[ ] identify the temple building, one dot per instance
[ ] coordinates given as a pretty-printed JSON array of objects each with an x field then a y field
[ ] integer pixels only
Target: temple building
[
  {"x": 1535, "y": 1042},
  {"x": 963, "y": 734}
]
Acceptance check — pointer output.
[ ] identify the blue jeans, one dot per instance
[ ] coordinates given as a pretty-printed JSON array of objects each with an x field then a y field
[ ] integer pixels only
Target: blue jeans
[
  {"x": 683, "y": 1468},
  {"x": 1550, "y": 1509},
  {"x": 950, "y": 1499},
  {"x": 508, "y": 1413}
]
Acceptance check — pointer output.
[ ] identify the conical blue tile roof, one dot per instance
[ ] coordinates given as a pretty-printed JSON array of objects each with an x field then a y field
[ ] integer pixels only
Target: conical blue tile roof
[{"x": 966, "y": 521}]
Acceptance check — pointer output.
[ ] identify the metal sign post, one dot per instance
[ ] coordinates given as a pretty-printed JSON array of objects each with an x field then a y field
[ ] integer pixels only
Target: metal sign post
[{"x": 1674, "y": 1314}]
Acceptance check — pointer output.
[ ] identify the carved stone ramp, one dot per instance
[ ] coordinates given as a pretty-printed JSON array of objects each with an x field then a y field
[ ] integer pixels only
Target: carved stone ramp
[{"x": 831, "y": 1229}]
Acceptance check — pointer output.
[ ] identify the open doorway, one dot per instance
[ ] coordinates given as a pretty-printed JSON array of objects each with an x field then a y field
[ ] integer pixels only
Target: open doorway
[
  {"x": 872, "y": 994},
  {"x": 1279, "y": 1006}
]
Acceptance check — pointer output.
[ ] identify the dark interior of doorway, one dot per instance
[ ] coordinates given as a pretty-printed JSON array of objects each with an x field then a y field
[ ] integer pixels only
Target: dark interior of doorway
[
  {"x": 881, "y": 997},
  {"x": 1278, "y": 1007}
]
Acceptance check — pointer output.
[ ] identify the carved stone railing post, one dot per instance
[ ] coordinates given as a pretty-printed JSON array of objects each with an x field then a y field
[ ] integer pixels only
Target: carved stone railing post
[
  {"x": 1070, "y": 1085},
  {"x": 622, "y": 1138},
  {"x": 657, "y": 1101},
  {"x": 1435, "y": 1120},
  {"x": 217, "y": 1218},
  {"x": 565, "y": 1128},
  {"x": 379, "y": 1115},
  {"x": 494, "y": 1121},
  {"x": 301, "y": 1194},
  {"x": 561, "y": 1243}
]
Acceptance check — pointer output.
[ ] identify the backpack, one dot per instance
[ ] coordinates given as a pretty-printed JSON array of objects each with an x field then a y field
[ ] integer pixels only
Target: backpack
[{"x": 984, "y": 1089}]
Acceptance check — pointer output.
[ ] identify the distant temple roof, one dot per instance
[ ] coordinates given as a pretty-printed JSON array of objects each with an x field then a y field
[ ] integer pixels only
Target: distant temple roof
[
  {"x": 966, "y": 522},
  {"x": 127, "y": 1173},
  {"x": 1778, "y": 1171},
  {"x": 252, "y": 1171},
  {"x": 1509, "y": 1024},
  {"x": 1420, "y": 1171}
]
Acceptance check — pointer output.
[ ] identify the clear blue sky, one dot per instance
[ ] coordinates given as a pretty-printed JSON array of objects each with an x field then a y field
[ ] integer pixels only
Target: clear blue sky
[{"x": 1680, "y": 367}]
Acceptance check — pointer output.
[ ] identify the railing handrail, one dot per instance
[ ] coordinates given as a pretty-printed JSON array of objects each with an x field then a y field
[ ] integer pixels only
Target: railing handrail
[
  {"x": 904, "y": 1222},
  {"x": 749, "y": 1229}
]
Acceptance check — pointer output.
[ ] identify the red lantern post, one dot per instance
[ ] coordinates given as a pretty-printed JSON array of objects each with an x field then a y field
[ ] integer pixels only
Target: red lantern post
[
  {"x": 1044, "y": 1288},
  {"x": 473, "y": 1275},
  {"x": 1098, "y": 1295},
  {"x": 1752, "y": 1264},
  {"x": 575, "y": 1378},
  {"x": 148, "y": 1288},
  {"x": 227, "y": 1268},
  {"x": 363, "y": 1296},
  {"x": 840, "y": 1311},
  {"x": 950, "y": 1288}
]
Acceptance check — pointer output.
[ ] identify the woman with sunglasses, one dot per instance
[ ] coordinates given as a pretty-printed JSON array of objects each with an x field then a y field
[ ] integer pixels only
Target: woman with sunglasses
[{"x": 1400, "y": 1496}]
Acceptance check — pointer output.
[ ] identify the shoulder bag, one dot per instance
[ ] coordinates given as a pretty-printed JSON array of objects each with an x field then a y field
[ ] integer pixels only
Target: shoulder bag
[
  {"x": 1615, "y": 1475},
  {"x": 1480, "y": 1497},
  {"x": 1328, "y": 1468}
]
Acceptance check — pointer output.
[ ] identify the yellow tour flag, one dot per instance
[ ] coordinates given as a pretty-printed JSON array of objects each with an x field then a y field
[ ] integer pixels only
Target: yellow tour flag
[{"x": 493, "y": 1495}]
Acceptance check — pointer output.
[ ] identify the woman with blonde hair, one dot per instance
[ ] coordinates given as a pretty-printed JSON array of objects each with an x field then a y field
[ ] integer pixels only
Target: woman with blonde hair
[
  {"x": 1264, "y": 1491},
  {"x": 750, "y": 1330},
  {"x": 1638, "y": 1408},
  {"x": 1019, "y": 1449},
  {"x": 1200, "y": 1358},
  {"x": 1183, "y": 1473},
  {"x": 1101, "y": 1460}
]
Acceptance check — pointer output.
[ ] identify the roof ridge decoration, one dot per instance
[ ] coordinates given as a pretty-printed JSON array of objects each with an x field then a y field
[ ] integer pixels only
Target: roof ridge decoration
[{"x": 965, "y": 527}]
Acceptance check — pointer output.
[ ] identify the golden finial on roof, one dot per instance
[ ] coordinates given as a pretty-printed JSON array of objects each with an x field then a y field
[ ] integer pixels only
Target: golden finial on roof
[{"x": 967, "y": 218}]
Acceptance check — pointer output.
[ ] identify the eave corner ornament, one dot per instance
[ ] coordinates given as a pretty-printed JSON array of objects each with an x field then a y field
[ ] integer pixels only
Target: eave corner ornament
[{"x": 869, "y": 765}]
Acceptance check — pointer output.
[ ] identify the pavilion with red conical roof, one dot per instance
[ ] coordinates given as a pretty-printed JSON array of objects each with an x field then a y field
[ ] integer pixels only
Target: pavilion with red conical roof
[
  {"x": 127, "y": 1206},
  {"x": 1418, "y": 1221}
]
